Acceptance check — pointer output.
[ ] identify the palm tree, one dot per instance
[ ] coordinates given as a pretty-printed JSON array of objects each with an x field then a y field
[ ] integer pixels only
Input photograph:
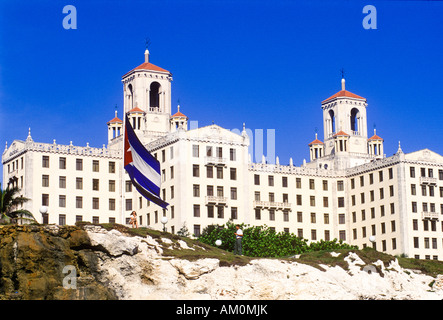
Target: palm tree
[{"x": 9, "y": 200}]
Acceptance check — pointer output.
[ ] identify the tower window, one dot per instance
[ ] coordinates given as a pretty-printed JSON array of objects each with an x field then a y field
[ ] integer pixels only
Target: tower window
[
  {"x": 154, "y": 96},
  {"x": 355, "y": 114}
]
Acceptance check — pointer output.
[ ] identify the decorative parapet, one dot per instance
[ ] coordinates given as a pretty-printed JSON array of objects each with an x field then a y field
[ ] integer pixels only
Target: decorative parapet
[{"x": 62, "y": 149}]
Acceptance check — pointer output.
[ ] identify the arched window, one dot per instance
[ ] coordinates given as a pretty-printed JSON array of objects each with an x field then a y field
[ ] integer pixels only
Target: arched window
[
  {"x": 154, "y": 96},
  {"x": 331, "y": 115},
  {"x": 130, "y": 97},
  {"x": 355, "y": 114}
]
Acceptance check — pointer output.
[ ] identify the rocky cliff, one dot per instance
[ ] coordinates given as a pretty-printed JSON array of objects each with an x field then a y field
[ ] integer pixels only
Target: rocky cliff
[{"x": 91, "y": 262}]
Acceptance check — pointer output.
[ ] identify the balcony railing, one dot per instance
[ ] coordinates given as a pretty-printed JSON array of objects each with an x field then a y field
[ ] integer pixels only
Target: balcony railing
[
  {"x": 216, "y": 200},
  {"x": 215, "y": 161},
  {"x": 428, "y": 180},
  {"x": 272, "y": 205},
  {"x": 429, "y": 215}
]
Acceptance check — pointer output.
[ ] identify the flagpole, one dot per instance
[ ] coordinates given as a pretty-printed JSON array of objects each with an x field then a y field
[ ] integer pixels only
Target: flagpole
[{"x": 123, "y": 222}]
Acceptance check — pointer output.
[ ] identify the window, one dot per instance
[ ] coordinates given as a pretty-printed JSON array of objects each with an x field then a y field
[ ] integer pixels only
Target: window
[
  {"x": 219, "y": 151},
  {"x": 391, "y": 173},
  {"x": 62, "y": 201},
  {"x": 209, "y": 172},
  {"x": 313, "y": 234},
  {"x": 172, "y": 192},
  {"x": 391, "y": 191},
  {"x": 111, "y": 185},
  {"x": 95, "y": 184},
  {"x": 196, "y": 210},
  {"x": 210, "y": 211},
  {"x": 341, "y": 202},
  {"x": 362, "y": 181},
  {"x": 271, "y": 214},
  {"x": 233, "y": 172},
  {"x": 196, "y": 190},
  {"x": 233, "y": 213},
  {"x": 341, "y": 218},
  {"x": 233, "y": 193},
  {"x": 209, "y": 151},
  {"x": 220, "y": 212},
  {"x": 111, "y": 167},
  {"x": 62, "y": 182},
  {"x": 412, "y": 172},
  {"x": 163, "y": 155},
  {"x": 62, "y": 163},
  {"x": 95, "y": 203},
  {"x": 340, "y": 185},
  {"x": 232, "y": 155},
  {"x": 414, "y": 206},
  {"x": 271, "y": 197},
  {"x": 196, "y": 230},
  {"x": 423, "y": 172},
  {"x": 257, "y": 214},
  {"x": 352, "y": 183},
  {"x": 78, "y": 164},
  {"x": 313, "y": 218},
  {"x": 79, "y": 202},
  {"x": 195, "y": 170},
  {"x": 171, "y": 153},
  {"x": 219, "y": 191},
  {"x": 128, "y": 205},
  {"x": 413, "y": 190},
  {"x": 128, "y": 186},
  {"x": 45, "y": 161},
  {"x": 257, "y": 195},
  {"x": 256, "y": 179},
  {"x": 195, "y": 151},
  {"x": 45, "y": 180},
  {"x": 79, "y": 183},
  {"x": 380, "y": 176},
  {"x": 95, "y": 166},
  {"x": 312, "y": 201},
  {"x": 210, "y": 190},
  {"x": 62, "y": 219},
  {"x": 326, "y": 218},
  {"x": 219, "y": 172},
  {"x": 325, "y": 185},
  {"x": 298, "y": 183},
  {"x": 286, "y": 216},
  {"x": 284, "y": 182},
  {"x": 271, "y": 181},
  {"x": 371, "y": 178},
  {"x": 440, "y": 174},
  {"x": 299, "y": 200},
  {"x": 311, "y": 184},
  {"x": 112, "y": 204},
  {"x": 299, "y": 216}
]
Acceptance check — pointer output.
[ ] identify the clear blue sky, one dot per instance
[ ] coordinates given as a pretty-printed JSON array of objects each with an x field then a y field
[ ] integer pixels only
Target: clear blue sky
[{"x": 266, "y": 63}]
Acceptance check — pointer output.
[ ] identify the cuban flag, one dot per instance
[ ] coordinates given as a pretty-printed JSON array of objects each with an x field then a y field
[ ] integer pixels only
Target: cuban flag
[{"x": 142, "y": 167}]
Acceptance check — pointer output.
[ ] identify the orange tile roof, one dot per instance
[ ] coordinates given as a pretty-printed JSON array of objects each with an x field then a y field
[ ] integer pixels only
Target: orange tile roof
[
  {"x": 115, "y": 120},
  {"x": 136, "y": 110},
  {"x": 375, "y": 137},
  {"x": 178, "y": 114},
  {"x": 344, "y": 93},
  {"x": 341, "y": 133},
  {"x": 148, "y": 66},
  {"x": 316, "y": 141}
]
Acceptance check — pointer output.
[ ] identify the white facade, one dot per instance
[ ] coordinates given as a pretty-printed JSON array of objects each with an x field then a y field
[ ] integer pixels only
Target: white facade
[{"x": 348, "y": 190}]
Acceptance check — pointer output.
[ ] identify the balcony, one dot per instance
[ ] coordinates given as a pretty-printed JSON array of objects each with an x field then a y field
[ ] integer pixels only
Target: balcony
[
  {"x": 429, "y": 215},
  {"x": 215, "y": 200},
  {"x": 272, "y": 205},
  {"x": 215, "y": 161},
  {"x": 428, "y": 180}
]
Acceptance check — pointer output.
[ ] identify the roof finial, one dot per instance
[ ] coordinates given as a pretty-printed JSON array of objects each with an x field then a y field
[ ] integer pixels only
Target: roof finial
[
  {"x": 148, "y": 42},
  {"x": 342, "y": 79},
  {"x": 399, "y": 148}
]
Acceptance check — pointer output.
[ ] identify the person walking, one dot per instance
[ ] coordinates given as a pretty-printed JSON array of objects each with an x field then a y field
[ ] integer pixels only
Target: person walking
[{"x": 238, "y": 240}]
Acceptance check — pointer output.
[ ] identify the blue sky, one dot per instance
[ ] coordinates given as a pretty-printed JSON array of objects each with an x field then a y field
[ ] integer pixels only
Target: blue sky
[{"x": 266, "y": 63}]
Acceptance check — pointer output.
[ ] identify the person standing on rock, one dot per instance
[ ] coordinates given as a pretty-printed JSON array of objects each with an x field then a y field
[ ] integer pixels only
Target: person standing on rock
[
  {"x": 134, "y": 219},
  {"x": 238, "y": 240}
]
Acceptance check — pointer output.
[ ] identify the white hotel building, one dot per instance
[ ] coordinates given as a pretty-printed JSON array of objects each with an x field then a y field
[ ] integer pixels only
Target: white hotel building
[{"x": 348, "y": 190}]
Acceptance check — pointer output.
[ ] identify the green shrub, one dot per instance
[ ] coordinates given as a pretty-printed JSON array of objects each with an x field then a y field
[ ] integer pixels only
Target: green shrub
[{"x": 262, "y": 241}]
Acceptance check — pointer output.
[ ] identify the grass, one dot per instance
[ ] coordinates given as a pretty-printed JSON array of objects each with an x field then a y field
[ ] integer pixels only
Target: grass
[{"x": 314, "y": 258}]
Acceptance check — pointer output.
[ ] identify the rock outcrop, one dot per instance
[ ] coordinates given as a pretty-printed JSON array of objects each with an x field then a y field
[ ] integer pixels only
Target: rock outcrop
[{"x": 112, "y": 265}]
